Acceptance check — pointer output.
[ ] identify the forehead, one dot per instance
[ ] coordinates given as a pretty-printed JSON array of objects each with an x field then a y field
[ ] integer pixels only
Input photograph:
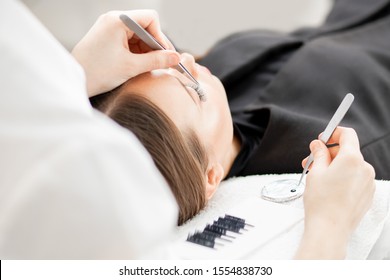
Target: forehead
[
  {"x": 163, "y": 76},
  {"x": 168, "y": 93}
]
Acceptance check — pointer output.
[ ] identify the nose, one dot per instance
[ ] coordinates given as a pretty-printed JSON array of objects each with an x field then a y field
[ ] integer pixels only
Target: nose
[{"x": 189, "y": 62}]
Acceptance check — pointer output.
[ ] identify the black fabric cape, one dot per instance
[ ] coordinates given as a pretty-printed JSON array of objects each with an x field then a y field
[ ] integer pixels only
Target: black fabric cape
[{"x": 279, "y": 112}]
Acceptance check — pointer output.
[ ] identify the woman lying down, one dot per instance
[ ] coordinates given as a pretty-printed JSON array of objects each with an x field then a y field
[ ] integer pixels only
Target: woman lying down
[{"x": 271, "y": 95}]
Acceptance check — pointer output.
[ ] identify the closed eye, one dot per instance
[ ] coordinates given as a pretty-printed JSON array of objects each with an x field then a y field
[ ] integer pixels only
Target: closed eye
[
  {"x": 186, "y": 87},
  {"x": 198, "y": 91}
]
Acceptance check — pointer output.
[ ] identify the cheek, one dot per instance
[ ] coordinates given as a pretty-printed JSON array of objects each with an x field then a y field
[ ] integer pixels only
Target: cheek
[
  {"x": 217, "y": 137},
  {"x": 217, "y": 124}
]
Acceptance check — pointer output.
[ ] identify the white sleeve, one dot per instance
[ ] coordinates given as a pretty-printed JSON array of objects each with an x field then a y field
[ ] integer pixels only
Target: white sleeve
[
  {"x": 37, "y": 72},
  {"x": 77, "y": 203},
  {"x": 73, "y": 184}
]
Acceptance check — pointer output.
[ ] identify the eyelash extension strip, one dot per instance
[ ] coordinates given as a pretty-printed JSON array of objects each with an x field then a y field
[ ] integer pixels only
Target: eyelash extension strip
[
  {"x": 219, "y": 229},
  {"x": 248, "y": 230}
]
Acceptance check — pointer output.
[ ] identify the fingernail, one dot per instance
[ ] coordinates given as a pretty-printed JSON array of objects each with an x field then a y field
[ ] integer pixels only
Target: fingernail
[
  {"x": 174, "y": 59},
  {"x": 315, "y": 145}
]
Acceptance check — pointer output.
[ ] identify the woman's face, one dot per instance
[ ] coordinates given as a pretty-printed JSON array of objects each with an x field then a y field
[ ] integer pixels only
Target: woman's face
[{"x": 171, "y": 91}]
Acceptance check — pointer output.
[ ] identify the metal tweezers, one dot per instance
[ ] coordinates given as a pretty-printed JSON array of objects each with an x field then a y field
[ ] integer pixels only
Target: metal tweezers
[
  {"x": 148, "y": 39},
  {"x": 333, "y": 123}
]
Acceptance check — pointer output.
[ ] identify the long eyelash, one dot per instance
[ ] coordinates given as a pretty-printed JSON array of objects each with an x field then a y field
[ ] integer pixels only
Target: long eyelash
[{"x": 198, "y": 90}]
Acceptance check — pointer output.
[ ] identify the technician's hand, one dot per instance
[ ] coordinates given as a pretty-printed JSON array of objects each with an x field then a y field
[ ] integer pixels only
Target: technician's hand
[
  {"x": 339, "y": 191},
  {"x": 111, "y": 54}
]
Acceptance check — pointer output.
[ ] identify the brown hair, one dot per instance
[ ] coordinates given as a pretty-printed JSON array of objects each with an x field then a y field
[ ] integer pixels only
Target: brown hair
[{"x": 179, "y": 156}]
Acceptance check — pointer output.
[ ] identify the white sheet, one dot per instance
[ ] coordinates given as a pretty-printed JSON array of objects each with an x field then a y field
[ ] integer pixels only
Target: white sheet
[{"x": 234, "y": 194}]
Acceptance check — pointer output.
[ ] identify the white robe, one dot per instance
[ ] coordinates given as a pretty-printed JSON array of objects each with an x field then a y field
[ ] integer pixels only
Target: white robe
[{"x": 73, "y": 184}]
